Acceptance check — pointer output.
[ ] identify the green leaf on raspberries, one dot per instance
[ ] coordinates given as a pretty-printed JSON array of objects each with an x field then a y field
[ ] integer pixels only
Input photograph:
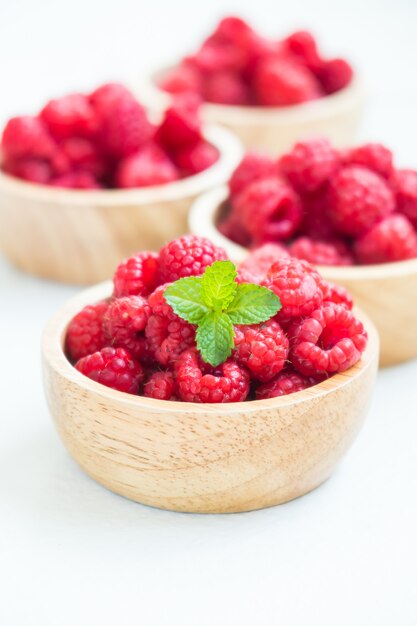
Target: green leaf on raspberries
[
  {"x": 218, "y": 285},
  {"x": 253, "y": 304},
  {"x": 185, "y": 297},
  {"x": 215, "y": 337}
]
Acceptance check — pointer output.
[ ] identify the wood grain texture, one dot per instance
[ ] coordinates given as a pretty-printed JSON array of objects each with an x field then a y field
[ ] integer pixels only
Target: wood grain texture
[
  {"x": 203, "y": 458},
  {"x": 275, "y": 129},
  {"x": 387, "y": 292},
  {"x": 80, "y": 236}
]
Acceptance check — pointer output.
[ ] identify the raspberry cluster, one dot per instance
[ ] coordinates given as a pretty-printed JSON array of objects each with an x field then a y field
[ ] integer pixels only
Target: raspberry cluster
[
  {"x": 134, "y": 342},
  {"x": 105, "y": 140},
  {"x": 325, "y": 206},
  {"x": 237, "y": 66}
]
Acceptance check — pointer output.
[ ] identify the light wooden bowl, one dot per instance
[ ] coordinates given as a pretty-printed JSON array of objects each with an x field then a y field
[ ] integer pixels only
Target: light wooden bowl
[
  {"x": 203, "y": 458},
  {"x": 80, "y": 236},
  {"x": 276, "y": 129},
  {"x": 386, "y": 292}
]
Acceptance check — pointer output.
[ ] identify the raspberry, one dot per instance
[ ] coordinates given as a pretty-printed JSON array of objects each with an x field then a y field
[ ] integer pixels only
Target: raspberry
[
  {"x": 262, "y": 348},
  {"x": 357, "y": 199},
  {"x": 374, "y": 156},
  {"x": 405, "y": 183},
  {"x": 168, "y": 336},
  {"x": 26, "y": 136},
  {"x": 85, "y": 333},
  {"x": 391, "y": 239},
  {"x": 286, "y": 382},
  {"x": 334, "y": 252},
  {"x": 158, "y": 304},
  {"x": 255, "y": 267},
  {"x": 136, "y": 276},
  {"x": 303, "y": 45},
  {"x": 161, "y": 386},
  {"x": 234, "y": 30},
  {"x": 70, "y": 116},
  {"x": 181, "y": 79},
  {"x": 334, "y": 75},
  {"x": 233, "y": 229},
  {"x": 113, "y": 367},
  {"x": 82, "y": 154},
  {"x": 123, "y": 124},
  {"x": 280, "y": 82},
  {"x": 330, "y": 340},
  {"x": 309, "y": 164},
  {"x": 213, "y": 57},
  {"x": 298, "y": 286},
  {"x": 150, "y": 166},
  {"x": 269, "y": 209},
  {"x": 181, "y": 125},
  {"x": 76, "y": 180},
  {"x": 124, "y": 323},
  {"x": 187, "y": 256},
  {"x": 196, "y": 157},
  {"x": 226, "y": 88},
  {"x": 253, "y": 166},
  {"x": 316, "y": 224},
  {"x": 29, "y": 168},
  {"x": 336, "y": 294},
  {"x": 197, "y": 382}
]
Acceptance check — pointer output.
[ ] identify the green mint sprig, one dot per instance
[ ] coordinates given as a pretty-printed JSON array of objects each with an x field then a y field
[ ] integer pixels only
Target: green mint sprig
[{"x": 215, "y": 303}]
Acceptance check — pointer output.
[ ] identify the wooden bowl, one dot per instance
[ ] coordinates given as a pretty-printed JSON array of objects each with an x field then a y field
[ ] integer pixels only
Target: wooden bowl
[
  {"x": 80, "y": 236},
  {"x": 386, "y": 292},
  {"x": 276, "y": 129},
  {"x": 205, "y": 458}
]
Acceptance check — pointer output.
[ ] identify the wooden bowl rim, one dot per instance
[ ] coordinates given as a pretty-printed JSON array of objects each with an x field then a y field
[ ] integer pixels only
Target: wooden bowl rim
[
  {"x": 230, "y": 151},
  {"x": 53, "y": 339},
  {"x": 201, "y": 221}
]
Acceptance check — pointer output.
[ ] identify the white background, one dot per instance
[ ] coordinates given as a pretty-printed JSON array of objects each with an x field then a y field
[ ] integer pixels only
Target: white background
[{"x": 72, "y": 554}]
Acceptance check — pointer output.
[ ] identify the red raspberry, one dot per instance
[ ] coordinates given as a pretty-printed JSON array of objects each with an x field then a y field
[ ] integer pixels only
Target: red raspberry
[
  {"x": 262, "y": 348},
  {"x": 298, "y": 286},
  {"x": 357, "y": 199},
  {"x": 181, "y": 79},
  {"x": 123, "y": 124},
  {"x": 226, "y": 88},
  {"x": 280, "y": 82},
  {"x": 70, "y": 116},
  {"x": 213, "y": 57},
  {"x": 374, "y": 156},
  {"x": 29, "y": 168},
  {"x": 255, "y": 267},
  {"x": 136, "y": 276},
  {"x": 405, "y": 184},
  {"x": 286, "y": 382},
  {"x": 336, "y": 294},
  {"x": 181, "y": 125},
  {"x": 233, "y": 229},
  {"x": 150, "y": 166},
  {"x": 316, "y": 224},
  {"x": 82, "y": 154},
  {"x": 304, "y": 46},
  {"x": 334, "y": 252},
  {"x": 168, "y": 336},
  {"x": 197, "y": 382},
  {"x": 161, "y": 386},
  {"x": 113, "y": 367},
  {"x": 334, "y": 75},
  {"x": 330, "y": 340},
  {"x": 124, "y": 323},
  {"x": 85, "y": 333},
  {"x": 269, "y": 209},
  {"x": 76, "y": 180},
  {"x": 391, "y": 239},
  {"x": 253, "y": 166},
  {"x": 234, "y": 30},
  {"x": 187, "y": 256},
  {"x": 310, "y": 164},
  {"x": 26, "y": 136},
  {"x": 196, "y": 157}
]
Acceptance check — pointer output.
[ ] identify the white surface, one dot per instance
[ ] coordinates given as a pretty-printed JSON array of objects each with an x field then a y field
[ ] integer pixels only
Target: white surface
[{"x": 72, "y": 554}]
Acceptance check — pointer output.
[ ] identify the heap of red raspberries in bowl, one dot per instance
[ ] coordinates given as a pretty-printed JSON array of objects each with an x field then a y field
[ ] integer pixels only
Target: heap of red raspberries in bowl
[
  {"x": 186, "y": 325},
  {"x": 326, "y": 206},
  {"x": 237, "y": 66},
  {"x": 106, "y": 140}
]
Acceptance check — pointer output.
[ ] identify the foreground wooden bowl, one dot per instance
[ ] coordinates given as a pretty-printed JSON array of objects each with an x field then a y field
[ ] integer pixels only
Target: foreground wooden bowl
[
  {"x": 80, "y": 236},
  {"x": 203, "y": 458},
  {"x": 386, "y": 292},
  {"x": 275, "y": 129}
]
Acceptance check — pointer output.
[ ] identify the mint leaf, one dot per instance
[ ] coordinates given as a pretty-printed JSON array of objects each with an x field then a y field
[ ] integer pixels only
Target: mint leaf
[
  {"x": 185, "y": 298},
  {"x": 214, "y": 337},
  {"x": 218, "y": 286},
  {"x": 253, "y": 304}
]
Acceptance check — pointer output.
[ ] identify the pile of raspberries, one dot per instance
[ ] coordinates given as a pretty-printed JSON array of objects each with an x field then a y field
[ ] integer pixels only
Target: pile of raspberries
[
  {"x": 326, "y": 206},
  {"x": 236, "y": 66},
  {"x": 135, "y": 343},
  {"x": 105, "y": 140}
]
